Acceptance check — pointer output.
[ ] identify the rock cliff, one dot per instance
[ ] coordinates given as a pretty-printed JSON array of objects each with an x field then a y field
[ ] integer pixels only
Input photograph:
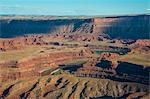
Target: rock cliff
[{"x": 124, "y": 27}]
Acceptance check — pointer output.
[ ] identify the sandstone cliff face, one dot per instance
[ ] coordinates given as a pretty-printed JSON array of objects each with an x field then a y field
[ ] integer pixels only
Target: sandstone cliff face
[
  {"x": 11, "y": 28},
  {"x": 125, "y": 27}
]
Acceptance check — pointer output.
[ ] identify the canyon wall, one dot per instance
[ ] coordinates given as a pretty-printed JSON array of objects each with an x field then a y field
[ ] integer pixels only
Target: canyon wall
[
  {"x": 15, "y": 27},
  {"x": 124, "y": 27}
]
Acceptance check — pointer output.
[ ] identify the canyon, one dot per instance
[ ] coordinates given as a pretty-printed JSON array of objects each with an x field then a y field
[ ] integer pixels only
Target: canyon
[{"x": 44, "y": 57}]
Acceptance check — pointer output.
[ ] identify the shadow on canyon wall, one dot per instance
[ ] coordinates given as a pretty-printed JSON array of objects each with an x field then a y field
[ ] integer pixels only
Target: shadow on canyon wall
[
  {"x": 125, "y": 68},
  {"x": 129, "y": 28},
  {"x": 105, "y": 64},
  {"x": 132, "y": 69},
  {"x": 125, "y": 27},
  {"x": 12, "y": 28}
]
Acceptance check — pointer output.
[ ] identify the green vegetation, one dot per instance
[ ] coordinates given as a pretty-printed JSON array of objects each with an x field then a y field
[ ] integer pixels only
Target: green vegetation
[{"x": 101, "y": 51}]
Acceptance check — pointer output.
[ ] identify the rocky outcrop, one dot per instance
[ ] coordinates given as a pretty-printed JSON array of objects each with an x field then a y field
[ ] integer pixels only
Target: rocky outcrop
[
  {"x": 140, "y": 46},
  {"x": 145, "y": 42},
  {"x": 109, "y": 56},
  {"x": 123, "y": 72},
  {"x": 70, "y": 87},
  {"x": 21, "y": 42}
]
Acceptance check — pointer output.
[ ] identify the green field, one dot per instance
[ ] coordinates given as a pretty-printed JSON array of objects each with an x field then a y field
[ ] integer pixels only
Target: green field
[{"x": 101, "y": 51}]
